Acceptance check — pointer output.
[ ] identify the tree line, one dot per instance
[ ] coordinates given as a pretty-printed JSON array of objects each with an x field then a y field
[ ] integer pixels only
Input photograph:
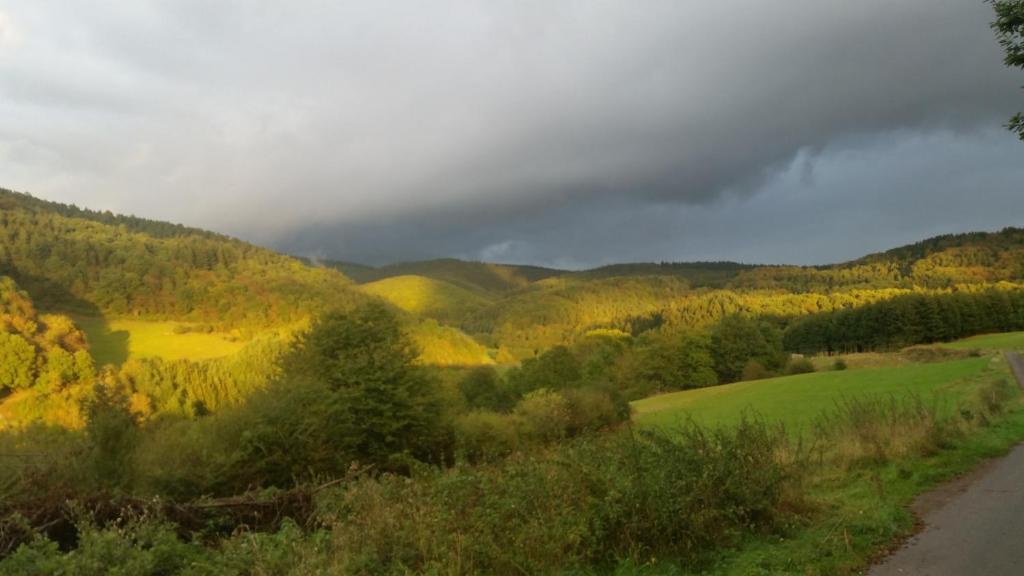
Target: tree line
[{"x": 907, "y": 320}]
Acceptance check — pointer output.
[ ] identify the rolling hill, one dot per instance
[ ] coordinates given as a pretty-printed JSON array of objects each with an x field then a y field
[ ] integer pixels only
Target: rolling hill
[
  {"x": 429, "y": 297},
  {"x": 474, "y": 276}
]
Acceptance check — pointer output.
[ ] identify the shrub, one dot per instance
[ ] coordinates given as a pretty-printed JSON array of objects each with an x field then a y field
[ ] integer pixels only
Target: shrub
[
  {"x": 800, "y": 366},
  {"x": 137, "y": 546},
  {"x": 112, "y": 431},
  {"x": 545, "y": 415},
  {"x": 580, "y": 506},
  {"x": 482, "y": 388},
  {"x": 482, "y": 435},
  {"x": 754, "y": 370},
  {"x": 839, "y": 364}
]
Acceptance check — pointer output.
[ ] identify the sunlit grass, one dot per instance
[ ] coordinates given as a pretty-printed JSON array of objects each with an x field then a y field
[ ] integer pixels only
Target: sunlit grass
[
  {"x": 427, "y": 296},
  {"x": 1005, "y": 341},
  {"x": 795, "y": 401},
  {"x": 114, "y": 341}
]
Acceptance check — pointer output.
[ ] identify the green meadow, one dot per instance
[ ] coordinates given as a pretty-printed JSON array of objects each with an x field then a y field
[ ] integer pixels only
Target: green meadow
[
  {"x": 797, "y": 400},
  {"x": 1006, "y": 341},
  {"x": 115, "y": 341}
]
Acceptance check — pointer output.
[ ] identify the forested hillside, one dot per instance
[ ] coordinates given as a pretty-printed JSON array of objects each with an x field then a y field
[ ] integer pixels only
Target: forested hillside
[
  {"x": 99, "y": 267},
  {"x": 534, "y": 309},
  {"x": 77, "y": 260}
]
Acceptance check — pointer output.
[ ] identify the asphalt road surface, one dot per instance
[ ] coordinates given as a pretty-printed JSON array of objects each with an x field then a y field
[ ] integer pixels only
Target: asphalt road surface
[{"x": 973, "y": 526}]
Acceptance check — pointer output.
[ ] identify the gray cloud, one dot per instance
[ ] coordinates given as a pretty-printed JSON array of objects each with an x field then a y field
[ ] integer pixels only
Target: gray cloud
[{"x": 559, "y": 132}]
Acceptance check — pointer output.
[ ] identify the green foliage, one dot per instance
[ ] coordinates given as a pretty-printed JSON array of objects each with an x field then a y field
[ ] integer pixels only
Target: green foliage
[
  {"x": 745, "y": 348},
  {"x": 181, "y": 387},
  {"x": 1009, "y": 29},
  {"x": 754, "y": 370},
  {"x": 839, "y": 364},
  {"x": 47, "y": 349},
  {"x": 664, "y": 361},
  {"x": 140, "y": 547},
  {"x": 17, "y": 362},
  {"x": 556, "y": 369},
  {"x": 545, "y": 414},
  {"x": 483, "y": 388},
  {"x": 353, "y": 373},
  {"x": 483, "y": 435},
  {"x": 560, "y": 310},
  {"x": 799, "y": 366},
  {"x": 91, "y": 262},
  {"x": 112, "y": 431},
  {"x": 908, "y": 320},
  {"x": 581, "y": 506}
]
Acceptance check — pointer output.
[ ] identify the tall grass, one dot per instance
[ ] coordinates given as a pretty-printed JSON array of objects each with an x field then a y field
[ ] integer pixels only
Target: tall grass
[{"x": 876, "y": 430}]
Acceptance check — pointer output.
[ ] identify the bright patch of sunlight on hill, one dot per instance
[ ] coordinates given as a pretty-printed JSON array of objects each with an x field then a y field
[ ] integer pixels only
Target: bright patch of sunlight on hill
[
  {"x": 427, "y": 296},
  {"x": 114, "y": 341}
]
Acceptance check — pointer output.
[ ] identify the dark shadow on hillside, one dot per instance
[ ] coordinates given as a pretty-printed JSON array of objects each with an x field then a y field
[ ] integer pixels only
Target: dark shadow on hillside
[{"x": 105, "y": 345}]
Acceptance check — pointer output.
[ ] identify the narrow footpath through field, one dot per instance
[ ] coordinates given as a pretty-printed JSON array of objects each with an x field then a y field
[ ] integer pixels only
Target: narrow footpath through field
[{"x": 974, "y": 525}]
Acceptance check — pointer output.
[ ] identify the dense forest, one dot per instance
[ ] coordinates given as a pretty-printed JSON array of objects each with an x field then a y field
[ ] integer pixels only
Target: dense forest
[
  {"x": 908, "y": 320},
  {"x": 78, "y": 260}
]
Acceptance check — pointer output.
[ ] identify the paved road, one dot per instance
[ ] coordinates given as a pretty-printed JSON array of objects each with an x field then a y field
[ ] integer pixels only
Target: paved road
[{"x": 973, "y": 526}]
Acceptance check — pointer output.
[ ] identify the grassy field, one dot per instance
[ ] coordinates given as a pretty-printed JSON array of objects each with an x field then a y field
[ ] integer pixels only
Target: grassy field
[
  {"x": 859, "y": 510},
  {"x": 798, "y": 400},
  {"x": 1005, "y": 341},
  {"x": 114, "y": 341}
]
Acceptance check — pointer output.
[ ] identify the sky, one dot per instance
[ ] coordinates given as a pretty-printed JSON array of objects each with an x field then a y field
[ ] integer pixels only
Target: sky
[{"x": 567, "y": 133}]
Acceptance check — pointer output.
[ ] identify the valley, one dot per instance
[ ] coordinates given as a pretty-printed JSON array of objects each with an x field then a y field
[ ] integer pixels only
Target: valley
[{"x": 148, "y": 360}]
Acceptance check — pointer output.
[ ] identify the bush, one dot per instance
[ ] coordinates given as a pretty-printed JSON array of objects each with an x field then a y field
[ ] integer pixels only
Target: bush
[
  {"x": 581, "y": 506},
  {"x": 800, "y": 366},
  {"x": 545, "y": 415},
  {"x": 754, "y": 370},
  {"x": 482, "y": 435},
  {"x": 112, "y": 430},
  {"x": 839, "y": 364}
]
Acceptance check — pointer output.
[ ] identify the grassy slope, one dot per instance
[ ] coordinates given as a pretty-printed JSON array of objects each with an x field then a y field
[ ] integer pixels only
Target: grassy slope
[
  {"x": 797, "y": 400},
  {"x": 445, "y": 346},
  {"x": 865, "y": 511},
  {"x": 114, "y": 341},
  {"x": 1007, "y": 341},
  {"x": 427, "y": 296}
]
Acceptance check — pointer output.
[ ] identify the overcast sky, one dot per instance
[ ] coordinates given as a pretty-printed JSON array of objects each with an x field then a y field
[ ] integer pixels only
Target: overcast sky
[{"x": 566, "y": 133}]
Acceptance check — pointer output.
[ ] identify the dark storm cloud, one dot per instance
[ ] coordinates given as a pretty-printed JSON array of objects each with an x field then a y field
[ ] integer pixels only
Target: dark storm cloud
[{"x": 560, "y": 132}]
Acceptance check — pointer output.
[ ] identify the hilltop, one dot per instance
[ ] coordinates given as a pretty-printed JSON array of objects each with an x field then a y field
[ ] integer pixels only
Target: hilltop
[{"x": 474, "y": 276}]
